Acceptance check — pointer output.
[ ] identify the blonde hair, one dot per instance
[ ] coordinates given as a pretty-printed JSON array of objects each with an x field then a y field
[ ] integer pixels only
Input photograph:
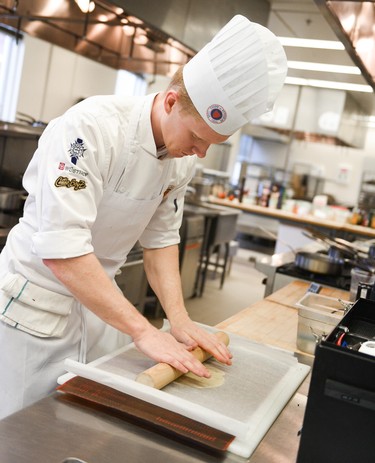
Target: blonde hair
[{"x": 177, "y": 84}]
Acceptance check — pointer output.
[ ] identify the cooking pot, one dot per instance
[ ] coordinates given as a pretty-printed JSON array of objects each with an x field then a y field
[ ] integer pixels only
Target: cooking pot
[
  {"x": 327, "y": 265},
  {"x": 202, "y": 188},
  {"x": 336, "y": 253},
  {"x": 319, "y": 263},
  {"x": 10, "y": 198}
]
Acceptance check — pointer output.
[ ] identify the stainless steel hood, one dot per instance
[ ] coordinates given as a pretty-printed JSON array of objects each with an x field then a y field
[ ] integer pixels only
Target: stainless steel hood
[
  {"x": 163, "y": 34},
  {"x": 195, "y": 22},
  {"x": 354, "y": 24},
  {"x": 332, "y": 117},
  {"x": 108, "y": 34},
  {"x": 166, "y": 34}
]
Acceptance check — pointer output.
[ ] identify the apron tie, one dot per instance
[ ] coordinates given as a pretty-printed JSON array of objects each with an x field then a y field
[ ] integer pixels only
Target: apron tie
[{"x": 83, "y": 345}]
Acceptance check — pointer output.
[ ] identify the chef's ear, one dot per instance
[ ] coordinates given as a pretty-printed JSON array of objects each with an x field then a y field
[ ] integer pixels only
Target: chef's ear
[{"x": 170, "y": 100}]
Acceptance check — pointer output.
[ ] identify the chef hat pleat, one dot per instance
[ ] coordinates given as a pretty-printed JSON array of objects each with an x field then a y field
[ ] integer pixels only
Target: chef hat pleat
[{"x": 237, "y": 76}]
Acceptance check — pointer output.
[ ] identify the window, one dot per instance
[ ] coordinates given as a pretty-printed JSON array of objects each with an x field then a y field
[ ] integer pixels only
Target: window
[
  {"x": 130, "y": 84},
  {"x": 11, "y": 58},
  {"x": 243, "y": 156}
]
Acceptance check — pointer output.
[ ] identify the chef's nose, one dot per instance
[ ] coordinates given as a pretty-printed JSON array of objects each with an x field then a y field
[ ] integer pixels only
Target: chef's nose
[{"x": 201, "y": 150}]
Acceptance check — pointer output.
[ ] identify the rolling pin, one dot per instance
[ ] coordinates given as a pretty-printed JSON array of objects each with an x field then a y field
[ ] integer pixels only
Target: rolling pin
[{"x": 162, "y": 374}]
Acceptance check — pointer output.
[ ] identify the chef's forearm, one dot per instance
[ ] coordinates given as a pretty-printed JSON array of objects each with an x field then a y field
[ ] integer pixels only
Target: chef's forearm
[
  {"x": 163, "y": 274},
  {"x": 85, "y": 278}
]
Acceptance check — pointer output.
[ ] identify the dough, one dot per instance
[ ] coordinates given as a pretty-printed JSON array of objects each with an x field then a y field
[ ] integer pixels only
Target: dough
[{"x": 192, "y": 380}]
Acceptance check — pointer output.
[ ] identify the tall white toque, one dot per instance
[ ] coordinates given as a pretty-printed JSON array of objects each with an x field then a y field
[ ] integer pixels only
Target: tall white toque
[{"x": 237, "y": 76}]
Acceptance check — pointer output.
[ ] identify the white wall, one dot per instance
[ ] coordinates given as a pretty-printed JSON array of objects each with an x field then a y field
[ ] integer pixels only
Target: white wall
[
  {"x": 54, "y": 78},
  {"x": 331, "y": 160},
  {"x": 327, "y": 158},
  {"x": 34, "y": 77}
]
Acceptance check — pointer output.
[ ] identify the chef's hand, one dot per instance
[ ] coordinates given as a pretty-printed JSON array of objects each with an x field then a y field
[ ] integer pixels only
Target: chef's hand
[
  {"x": 163, "y": 347},
  {"x": 189, "y": 333}
]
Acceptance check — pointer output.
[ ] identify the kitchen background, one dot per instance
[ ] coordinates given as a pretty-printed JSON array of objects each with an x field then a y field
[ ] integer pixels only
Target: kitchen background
[
  {"x": 317, "y": 142},
  {"x": 332, "y": 156}
]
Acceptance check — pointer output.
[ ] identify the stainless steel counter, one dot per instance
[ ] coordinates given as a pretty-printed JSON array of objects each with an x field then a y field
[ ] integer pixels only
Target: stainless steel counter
[
  {"x": 13, "y": 129},
  {"x": 52, "y": 430}
]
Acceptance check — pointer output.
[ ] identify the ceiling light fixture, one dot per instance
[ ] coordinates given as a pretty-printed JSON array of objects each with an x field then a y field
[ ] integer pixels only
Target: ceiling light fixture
[
  {"x": 128, "y": 30},
  {"x": 329, "y": 84},
  {"x": 311, "y": 43},
  {"x": 103, "y": 18},
  {"x": 86, "y": 6},
  {"x": 322, "y": 67},
  {"x": 140, "y": 39},
  {"x": 135, "y": 20}
]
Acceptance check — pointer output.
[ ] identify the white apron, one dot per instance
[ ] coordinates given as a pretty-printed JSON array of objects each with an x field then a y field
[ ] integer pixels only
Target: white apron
[
  {"x": 121, "y": 204},
  {"x": 31, "y": 364}
]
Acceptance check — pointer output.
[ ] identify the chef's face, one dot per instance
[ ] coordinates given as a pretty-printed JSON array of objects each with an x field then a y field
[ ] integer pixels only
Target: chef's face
[{"x": 183, "y": 133}]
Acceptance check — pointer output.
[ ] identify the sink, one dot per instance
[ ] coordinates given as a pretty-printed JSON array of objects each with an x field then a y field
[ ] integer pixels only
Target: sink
[
  {"x": 209, "y": 209},
  {"x": 19, "y": 130},
  {"x": 190, "y": 209},
  {"x": 221, "y": 221}
]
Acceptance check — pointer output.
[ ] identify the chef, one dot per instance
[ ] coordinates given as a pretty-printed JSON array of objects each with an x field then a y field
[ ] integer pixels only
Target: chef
[{"x": 109, "y": 172}]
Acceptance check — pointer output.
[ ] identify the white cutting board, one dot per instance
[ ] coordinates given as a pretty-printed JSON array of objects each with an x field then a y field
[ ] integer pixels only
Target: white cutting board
[{"x": 256, "y": 388}]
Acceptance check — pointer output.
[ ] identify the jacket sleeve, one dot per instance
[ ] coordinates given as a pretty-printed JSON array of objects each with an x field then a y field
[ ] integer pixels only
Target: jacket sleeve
[{"x": 65, "y": 185}]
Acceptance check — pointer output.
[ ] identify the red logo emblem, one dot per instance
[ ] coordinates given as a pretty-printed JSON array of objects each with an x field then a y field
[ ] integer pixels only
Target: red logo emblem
[{"x": 216, "y": 114}]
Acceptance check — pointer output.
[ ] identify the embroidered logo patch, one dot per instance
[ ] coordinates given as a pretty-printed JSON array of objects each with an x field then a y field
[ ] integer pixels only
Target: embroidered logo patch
[
  {"x": 70, "y": 183},
  {"x": 76, "y": 150},
  {"x": 72, "y": 170},
  {"x": 216, "y": 114}
]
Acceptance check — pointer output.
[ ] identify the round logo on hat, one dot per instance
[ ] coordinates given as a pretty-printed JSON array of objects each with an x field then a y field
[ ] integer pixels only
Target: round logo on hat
[{"x": 216, "y": 114}]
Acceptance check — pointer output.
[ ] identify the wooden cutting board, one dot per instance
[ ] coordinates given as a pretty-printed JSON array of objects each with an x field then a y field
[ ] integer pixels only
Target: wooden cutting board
[{"x": 124, "y": 406}]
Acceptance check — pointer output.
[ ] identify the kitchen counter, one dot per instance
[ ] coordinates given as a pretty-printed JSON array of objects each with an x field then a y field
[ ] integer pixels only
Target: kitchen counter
[
  {"x": 292, "y": 218},
  {"x": 13, "y": 129},
  {"x": 274, "y": 319},
  {"x": 54, "y": 429}
]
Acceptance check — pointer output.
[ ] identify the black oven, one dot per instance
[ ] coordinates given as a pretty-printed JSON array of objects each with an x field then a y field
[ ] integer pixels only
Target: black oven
[{"x": 339, "y": 419}]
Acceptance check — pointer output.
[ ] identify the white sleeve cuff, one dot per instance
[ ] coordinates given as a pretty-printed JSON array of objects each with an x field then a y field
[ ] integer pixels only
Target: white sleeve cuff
[
  {"x": 62, "y": 244},
  {"x": 151, "y": 239}
]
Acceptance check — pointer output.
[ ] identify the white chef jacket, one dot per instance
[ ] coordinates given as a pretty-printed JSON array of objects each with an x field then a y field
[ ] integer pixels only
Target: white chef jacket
[
  {"x": 94, "y": 184},
  {"x": 62, "y": 220}
]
